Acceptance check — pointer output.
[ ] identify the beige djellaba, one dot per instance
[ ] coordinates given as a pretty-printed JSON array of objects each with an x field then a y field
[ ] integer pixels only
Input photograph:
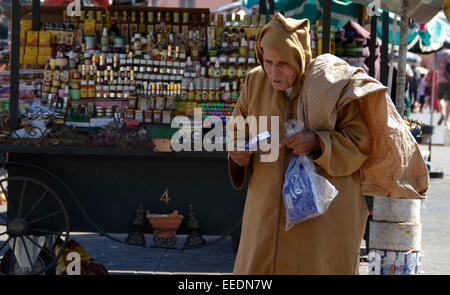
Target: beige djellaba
[{"x": 332, "y": 98}]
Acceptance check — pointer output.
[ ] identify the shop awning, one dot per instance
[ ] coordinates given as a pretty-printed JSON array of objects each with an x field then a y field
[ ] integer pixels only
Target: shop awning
[
  {"x": 421, "y": 11},
  {"x": 435, "y": 33},
  {"x": 102, "y": 3},
  {"x": 342, "y": 11},
  {"x": 422, "y": 38}
]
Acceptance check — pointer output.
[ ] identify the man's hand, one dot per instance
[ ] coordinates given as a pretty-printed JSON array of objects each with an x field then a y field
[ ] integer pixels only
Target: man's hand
[
  {"x": 302, "y": 143},
  {"x": 241, "y": 158}
]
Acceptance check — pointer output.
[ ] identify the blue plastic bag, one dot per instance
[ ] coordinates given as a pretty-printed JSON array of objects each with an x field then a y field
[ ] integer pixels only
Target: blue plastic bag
[{"x": 306, "y": 194}]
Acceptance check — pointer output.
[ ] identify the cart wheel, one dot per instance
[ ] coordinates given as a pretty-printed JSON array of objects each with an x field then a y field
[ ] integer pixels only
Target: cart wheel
[
  {"x": 164, "y": 238},
  {"x": 9, "y": 264},
  {"x": 158, "y": 240},
  {"x": 33, "y": 210},
  {"x": 172, "y": 240}
]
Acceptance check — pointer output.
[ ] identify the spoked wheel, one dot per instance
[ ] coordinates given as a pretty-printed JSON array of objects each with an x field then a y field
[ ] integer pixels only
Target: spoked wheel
[{"x": 35, "y": 217}]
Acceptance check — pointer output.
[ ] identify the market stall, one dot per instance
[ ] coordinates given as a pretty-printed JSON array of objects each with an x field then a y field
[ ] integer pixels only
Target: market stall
[
  {"x": 93, "y": 142},
  {"x": 86, "y": 151}
]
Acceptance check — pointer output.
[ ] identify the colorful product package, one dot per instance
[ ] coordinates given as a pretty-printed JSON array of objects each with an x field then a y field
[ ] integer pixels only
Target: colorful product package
[
  {"x": 32, "y": 38},
  {"x": 45, "y": 39}
]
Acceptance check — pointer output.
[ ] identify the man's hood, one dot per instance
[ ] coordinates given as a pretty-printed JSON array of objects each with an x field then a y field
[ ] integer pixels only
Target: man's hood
[{"x": 290, "y": 38}]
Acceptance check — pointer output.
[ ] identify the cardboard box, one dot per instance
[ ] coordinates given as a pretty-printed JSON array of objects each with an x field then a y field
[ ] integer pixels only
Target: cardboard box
[
  {"x": 26, "y": 25},
  {"x": 23, "y": 38},
  {"x": 190, "y": 106},
  {"x": 45, "y": 51},
  {"x": 29, "y": 59},
  {"x": 31, "y": 50},
  {"x": 32, "y": 38},
  {"x": 45, "y": 39},
  {"x": 180, "y": 108},
  {"x": 42, "y": 60},
  {"x": 89, "y": 27}
]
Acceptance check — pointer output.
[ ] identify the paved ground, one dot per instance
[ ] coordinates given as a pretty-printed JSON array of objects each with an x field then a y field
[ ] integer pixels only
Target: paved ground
[
  {"x": 216, "y": 258},
  {"x": 435, "y": 211}
]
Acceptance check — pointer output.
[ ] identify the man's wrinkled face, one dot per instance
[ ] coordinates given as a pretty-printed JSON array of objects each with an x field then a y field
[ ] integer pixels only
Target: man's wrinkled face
[{"x": 281, "y": 74}]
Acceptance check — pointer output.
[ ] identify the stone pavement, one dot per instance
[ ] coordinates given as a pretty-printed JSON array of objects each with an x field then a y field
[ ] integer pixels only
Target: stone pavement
[
  {"x": 436, "y": 208},
  {"x": 216, "y": 258}
]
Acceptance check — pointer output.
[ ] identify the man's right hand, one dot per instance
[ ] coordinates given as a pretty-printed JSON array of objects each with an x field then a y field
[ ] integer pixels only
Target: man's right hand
[{"x": 241, "y": 158}]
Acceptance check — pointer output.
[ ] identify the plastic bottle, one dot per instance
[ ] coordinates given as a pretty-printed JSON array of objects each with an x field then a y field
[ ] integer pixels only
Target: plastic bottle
[
  {"x": 184, "y": 89},
  {"x": 350, "y": 45},
  {"x": 232, "y": 68},
  {"x": 105, "y": 41},
  {"x": 218, "y": 89},
  {"x": 241, "y": 68},
  {"x": 339, "y": 44},
  {"x": 189, "y": 69},
  {"x": 217, "y": 70},
  {"x": 223, "y": 67},
  {"x": 251, "y": 64},
  {"x": 91, "y": 89},
  {"x": 205, "y": 89},
  {"x": 211, "y": 90},
  {"x": 198, "y": 90},
  {"x": 191, "y": 92},
  {"x": 211, "y": 65},
  {"x": 227, "y": 93},
  {"x": 234, "y": 93},
  {"x": 84, "y": 89}
]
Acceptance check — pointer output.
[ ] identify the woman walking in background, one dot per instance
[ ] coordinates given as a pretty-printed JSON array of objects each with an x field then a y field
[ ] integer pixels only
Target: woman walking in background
[{"x": 421, "y": 91}]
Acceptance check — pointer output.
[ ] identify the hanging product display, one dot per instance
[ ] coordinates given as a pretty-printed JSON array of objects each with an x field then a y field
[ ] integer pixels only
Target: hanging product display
[
  {"x": 343, "y": 44},
  {"x": 144, "y": 65}
]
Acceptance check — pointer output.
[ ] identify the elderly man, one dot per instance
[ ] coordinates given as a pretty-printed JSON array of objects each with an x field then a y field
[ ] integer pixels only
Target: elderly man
[{"x": 290, "y": 85}]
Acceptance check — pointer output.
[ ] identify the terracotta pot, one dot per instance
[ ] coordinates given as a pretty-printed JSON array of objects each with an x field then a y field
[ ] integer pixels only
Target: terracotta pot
[{"x": 165, "y": 224}]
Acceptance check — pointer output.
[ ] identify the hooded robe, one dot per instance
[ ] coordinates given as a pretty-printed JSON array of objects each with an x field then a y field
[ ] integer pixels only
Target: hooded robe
[{"x": 324, "y": 101}]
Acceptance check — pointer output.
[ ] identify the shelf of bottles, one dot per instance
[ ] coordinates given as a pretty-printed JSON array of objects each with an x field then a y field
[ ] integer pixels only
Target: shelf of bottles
[
  {"x": 344, "y": 44},
  {"x": 143, "y": 64}
]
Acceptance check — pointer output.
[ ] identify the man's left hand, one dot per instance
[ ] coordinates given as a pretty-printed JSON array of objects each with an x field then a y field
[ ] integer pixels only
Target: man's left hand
[{"x": 302, "y": 143}]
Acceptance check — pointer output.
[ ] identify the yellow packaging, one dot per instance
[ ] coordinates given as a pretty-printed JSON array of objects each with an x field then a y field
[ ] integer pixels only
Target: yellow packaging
[
  {"x": 32, "y": 50},
  {"x": 22, "y": 50},
  {"x": 32, "y": 38},
  {"x": 29, "y": 59},
  {"x": 23, "y": 38},
  {"x": 21, "y": 59},
  {"x": 180, "y": 108},
  {"x": 45, "y": 51},
  {"x": 25, "y": 25},
  {"x": 190, "y": 106},
  {"x": 319, "y": 47},
  {"x": 42, "y": 60},
  {"x": 45, "y": 39},
  {"x": 89, "y": 27}
]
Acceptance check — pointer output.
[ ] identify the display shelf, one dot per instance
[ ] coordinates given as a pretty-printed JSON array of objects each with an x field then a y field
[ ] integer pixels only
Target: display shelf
[{"x": 22, "y": 72}]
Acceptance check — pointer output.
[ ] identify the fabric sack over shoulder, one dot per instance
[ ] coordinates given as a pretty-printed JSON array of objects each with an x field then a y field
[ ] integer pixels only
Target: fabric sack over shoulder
[
  {"x": 395, "y": 167},
  {"x": 306, "y": 194}
]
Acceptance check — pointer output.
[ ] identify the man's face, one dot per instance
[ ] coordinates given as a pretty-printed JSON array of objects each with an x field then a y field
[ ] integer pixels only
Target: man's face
[{"x": 281, "y": 74}]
